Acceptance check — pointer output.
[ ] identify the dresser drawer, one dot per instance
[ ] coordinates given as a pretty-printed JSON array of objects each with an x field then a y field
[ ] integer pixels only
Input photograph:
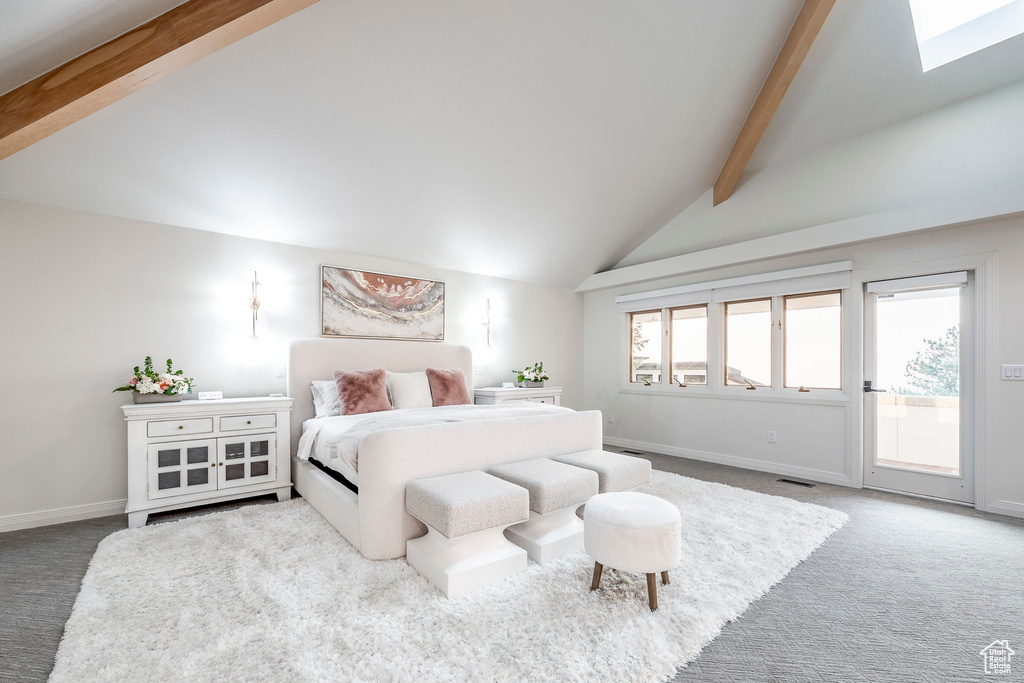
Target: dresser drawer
[
  {"x": 239, "y": 422},
  {"x": 550, "y": 400},
  {"x": 203, "y": 425}
]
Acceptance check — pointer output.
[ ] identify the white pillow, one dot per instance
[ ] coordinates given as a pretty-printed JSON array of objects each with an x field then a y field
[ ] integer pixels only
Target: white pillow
[
  {"x": 318, "y": 403},
  {"x": 329, "y": 398},
  {"x": 409, "y": 390}
]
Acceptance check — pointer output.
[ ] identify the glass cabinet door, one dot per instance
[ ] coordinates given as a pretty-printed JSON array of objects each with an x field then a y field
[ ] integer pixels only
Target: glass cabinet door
[
  {"x": 245, "y": 460},
  {"x": 181, "y": 467}
]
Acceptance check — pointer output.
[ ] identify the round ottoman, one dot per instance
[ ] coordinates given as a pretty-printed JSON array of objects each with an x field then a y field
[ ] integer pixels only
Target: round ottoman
[{"x": 632, "y": 532}]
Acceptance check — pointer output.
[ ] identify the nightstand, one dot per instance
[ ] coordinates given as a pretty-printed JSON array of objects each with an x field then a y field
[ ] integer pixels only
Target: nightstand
[
  {"x": 489, "y": 396},
  {"x": 199, "y": 452}
]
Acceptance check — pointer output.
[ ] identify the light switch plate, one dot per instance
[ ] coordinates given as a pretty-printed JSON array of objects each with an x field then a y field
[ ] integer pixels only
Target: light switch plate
[
  {"x": 1012, "y": 373},
  {"x": 210, "y": 395}
]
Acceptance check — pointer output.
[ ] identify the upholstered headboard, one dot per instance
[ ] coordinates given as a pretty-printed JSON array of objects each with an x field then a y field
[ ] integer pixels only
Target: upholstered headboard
[{"x": 318, "y": 358}]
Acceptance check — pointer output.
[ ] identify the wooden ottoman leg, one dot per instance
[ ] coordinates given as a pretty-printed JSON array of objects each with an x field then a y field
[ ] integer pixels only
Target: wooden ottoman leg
[
  {"x": 652, "y": 592},
  {"x": 664, "y": 578},
  {"x": 597, "y": 576}
]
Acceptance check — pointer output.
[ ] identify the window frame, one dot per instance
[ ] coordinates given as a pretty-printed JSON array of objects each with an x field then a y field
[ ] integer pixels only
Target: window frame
[
  {"x": 629, "y": 347},
  {"x": 724, "y": 374},
  {"x": 785, "y": 338},
  {"x": 717, "y": 381},
  {"x": 671, "y": 341}
]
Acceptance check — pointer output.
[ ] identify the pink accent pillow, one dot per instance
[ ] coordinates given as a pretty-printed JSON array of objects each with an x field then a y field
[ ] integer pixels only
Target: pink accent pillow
[
  {"x": 363, "y": 391},
  {"x": 448, "y": 387}
]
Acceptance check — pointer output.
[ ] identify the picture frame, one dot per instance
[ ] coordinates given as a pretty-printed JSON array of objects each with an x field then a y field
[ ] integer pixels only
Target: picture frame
[{"x": 368, "y": 304}]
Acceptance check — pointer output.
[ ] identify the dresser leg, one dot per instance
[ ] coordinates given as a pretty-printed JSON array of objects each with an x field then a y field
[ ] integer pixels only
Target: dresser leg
[
  {"x": 137, "y": 519},
  {"x": 284, "y": 494}
]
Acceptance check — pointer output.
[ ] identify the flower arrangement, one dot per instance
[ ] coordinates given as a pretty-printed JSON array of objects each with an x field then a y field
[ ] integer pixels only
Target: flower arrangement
[
  {"x": 148, "y": 381},
  {"x": 534, "y": 374}
]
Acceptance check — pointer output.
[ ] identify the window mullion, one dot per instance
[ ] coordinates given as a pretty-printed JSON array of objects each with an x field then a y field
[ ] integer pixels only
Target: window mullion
[
  {"x": 666, "y": 347},
  {"x": 778, "y": 351},
  {"x": 716, "y": 347}
]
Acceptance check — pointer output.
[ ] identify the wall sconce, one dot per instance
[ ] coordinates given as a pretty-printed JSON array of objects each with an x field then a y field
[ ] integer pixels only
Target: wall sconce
[
  {"x": 486, "y": 322},
  {"x": 254, "y": 302}
]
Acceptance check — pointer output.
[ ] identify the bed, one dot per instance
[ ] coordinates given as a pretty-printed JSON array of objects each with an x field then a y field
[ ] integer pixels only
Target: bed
[{"x": 374, "y": 520}]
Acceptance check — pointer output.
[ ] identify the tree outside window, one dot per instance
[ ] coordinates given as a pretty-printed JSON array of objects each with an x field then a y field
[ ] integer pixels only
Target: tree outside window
[{"x": 645, "y": 347}]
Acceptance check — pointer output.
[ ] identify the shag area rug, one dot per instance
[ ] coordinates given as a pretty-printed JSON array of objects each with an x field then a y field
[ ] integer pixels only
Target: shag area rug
[{"x": 274, "y": 593}]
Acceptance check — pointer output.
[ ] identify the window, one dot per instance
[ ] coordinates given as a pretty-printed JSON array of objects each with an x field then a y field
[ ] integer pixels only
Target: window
[
  {"x": 645, "y": 347},
  {"x": 950, "y": 29},
  {"x": 748, "y": 342},
  {"x": 813, "y": 332},
  {"x": 777, "y": 332},
  {"x": 690, "y": 344}
]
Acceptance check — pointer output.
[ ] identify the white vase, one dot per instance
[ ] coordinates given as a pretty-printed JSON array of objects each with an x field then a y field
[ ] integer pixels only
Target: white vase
[
  {"x": 156, "y": 398},
  {"x": 532, "y": 385}
]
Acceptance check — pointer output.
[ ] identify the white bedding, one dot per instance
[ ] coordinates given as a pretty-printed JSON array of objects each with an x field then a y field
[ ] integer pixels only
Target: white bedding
[
  {"x": 312, "y": 447},
  {"x": 334, "y": 441}
]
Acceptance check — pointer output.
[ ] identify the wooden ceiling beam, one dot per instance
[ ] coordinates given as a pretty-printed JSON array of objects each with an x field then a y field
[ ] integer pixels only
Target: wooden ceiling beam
[
  {"x": 132, "y": 61},
  {"x": 810, "y": 20}
]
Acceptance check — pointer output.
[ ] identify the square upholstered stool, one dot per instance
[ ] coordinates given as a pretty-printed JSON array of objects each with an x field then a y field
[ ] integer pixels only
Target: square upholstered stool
[
  {"x": 465, "y": 514},
  {"x": 556, "y": 490},
  {"x": 615, "y": 471}
]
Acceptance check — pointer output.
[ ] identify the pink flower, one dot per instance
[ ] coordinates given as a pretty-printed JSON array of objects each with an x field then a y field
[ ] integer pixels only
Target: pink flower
[{"x": 133, "y": 381}]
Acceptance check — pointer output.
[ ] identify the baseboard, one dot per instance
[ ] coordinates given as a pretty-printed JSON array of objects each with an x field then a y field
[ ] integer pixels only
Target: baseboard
[
  {"x": 74, "y": 513},
  {"x": 1006, "y": 507},
  {"x": 735, "y": 461}
]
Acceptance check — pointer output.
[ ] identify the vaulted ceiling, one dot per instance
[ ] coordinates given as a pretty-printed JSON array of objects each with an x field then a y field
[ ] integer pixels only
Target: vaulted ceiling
[{"x": 533, "y": 140}]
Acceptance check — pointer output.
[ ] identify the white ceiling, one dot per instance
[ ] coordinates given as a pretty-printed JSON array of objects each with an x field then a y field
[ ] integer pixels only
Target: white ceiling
[
  {"x": 864, "y": 72},
  {"x": 39, "y": 35},
  {"x": 534, "y": 140}
]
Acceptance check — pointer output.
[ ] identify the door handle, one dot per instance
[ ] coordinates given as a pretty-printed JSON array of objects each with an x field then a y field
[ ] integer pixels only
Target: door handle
[{"x": 868, "y": 389}]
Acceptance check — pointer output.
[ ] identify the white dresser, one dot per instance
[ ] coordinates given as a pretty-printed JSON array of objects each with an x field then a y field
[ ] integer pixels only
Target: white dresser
[
  {"x": 198, "y": 452},
  {"x": 489, "y": 396}
]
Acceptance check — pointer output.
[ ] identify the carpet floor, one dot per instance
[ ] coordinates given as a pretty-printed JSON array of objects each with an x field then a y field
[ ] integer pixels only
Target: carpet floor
[
  {"x": 891, "y": 597},
  {"x": 258, "y": 594}
]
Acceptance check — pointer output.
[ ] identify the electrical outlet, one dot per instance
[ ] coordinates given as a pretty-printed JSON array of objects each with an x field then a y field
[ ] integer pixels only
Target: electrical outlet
[
  {"x": 611, "y": 418},
  {"x": 1013, "y": 373},
  {"x": 771, "y": 436},
  {"x": 280, "y": 371},
  {"x": 210, "y": 395},
  {"x": 478, "y": 369}
]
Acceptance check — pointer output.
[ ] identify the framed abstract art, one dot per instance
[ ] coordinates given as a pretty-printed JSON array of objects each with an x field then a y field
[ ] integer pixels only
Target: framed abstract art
[{"x": 360, "y": 303}]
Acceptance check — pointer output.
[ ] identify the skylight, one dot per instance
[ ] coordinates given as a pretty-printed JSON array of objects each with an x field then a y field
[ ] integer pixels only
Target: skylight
[{"x": 950, "y": 29}]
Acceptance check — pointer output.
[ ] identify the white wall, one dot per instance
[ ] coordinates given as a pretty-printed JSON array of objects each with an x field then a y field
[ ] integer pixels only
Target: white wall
[
  {"x": 818, "y": 439},
  {"x": 85, "y": 297}
]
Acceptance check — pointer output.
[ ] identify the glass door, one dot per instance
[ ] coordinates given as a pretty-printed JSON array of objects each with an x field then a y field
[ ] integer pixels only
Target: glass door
[{"x": 918, "y": 403}]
